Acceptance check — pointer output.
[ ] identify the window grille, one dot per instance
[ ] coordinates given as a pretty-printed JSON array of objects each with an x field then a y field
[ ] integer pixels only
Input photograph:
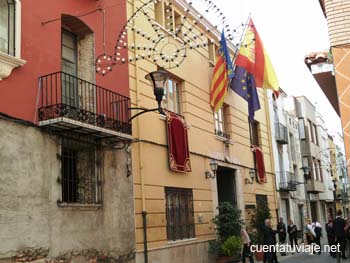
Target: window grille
[
  {"x": 179, "y": 213},
  {"x": 81, "y": 173}
]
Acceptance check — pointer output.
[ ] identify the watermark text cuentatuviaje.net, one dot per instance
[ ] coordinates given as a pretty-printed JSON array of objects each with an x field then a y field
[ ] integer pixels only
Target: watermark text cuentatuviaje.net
[{"x": 303, "y": 248}]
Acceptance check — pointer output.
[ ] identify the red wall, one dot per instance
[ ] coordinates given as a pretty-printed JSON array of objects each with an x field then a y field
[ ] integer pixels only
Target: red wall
[{"x": 41, "y": 48}]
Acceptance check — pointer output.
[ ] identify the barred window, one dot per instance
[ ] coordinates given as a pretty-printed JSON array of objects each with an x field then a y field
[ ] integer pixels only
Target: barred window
[
  {"x": 80, "y": 170},
  {"x": 179, "y": 213}
]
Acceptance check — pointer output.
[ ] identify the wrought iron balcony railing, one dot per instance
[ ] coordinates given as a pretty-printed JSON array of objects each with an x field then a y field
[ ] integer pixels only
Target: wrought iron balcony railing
[
  {"x": 287, "y": 180},
  {"x": 64, "y": 95},
  {"x": 281, "y": 133}
]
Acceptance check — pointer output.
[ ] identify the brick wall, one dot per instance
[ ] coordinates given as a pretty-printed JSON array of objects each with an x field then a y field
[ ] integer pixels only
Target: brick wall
[{"x": 338, "y": 17}]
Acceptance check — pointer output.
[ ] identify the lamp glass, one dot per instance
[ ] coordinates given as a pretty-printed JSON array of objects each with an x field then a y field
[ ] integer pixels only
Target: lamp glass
[
  {"x": 158, "y": 79},
  {"x": 252, "y": 174},
  {"x": 214, "y": 165},
  {"x": 306, "y": 170}
]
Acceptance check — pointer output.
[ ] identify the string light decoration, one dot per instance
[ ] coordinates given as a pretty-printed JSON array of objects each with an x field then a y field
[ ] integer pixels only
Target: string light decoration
[{"x": 166, "y": 43}]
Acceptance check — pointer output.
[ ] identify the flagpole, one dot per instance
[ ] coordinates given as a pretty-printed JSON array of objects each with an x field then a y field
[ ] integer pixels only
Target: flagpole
[{"x": 241, "y": 40}]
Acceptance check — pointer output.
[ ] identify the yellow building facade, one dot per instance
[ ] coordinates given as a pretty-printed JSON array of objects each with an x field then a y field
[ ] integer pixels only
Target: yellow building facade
[{"x": 188, "y": 94}]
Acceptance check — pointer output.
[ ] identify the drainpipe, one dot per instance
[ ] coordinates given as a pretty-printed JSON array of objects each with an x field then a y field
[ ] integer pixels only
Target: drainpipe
[
  {"x": 140, "y": 145},
  {"x": 145, "y": 249},
  {"x": 266, "y": 102}
]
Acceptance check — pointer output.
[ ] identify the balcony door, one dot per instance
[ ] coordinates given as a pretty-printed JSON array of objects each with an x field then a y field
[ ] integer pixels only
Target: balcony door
[{"x": 69, "y": 69}]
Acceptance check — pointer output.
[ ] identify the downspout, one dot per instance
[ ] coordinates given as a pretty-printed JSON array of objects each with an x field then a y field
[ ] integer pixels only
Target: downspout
[
  {"x": 273, "y": 172},
  {"x": 140, "y": 145}
]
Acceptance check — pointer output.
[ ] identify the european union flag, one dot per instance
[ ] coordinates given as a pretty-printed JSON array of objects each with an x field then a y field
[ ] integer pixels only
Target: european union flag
[{"x": 243, "y": 84}]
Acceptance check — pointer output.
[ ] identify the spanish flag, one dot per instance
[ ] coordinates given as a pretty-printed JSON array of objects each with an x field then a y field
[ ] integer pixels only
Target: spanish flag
[
  {"x": 223, "y": 73},
  {"x": 253, "y": 57}
]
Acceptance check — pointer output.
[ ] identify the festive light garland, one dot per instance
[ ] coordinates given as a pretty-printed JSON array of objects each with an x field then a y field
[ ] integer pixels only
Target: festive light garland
[{"x": 166, "y": 45}]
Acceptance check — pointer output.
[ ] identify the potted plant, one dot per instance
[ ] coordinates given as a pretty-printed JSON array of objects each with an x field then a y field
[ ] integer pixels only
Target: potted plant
[
  {"x": 232, "y": 249},
  {"x": 228, "y": 225},
  {"x": 261, "y": 213}
]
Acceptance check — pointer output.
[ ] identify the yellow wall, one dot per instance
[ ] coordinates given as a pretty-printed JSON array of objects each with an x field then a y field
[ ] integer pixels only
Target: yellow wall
[{"x": 150, "y": 158}]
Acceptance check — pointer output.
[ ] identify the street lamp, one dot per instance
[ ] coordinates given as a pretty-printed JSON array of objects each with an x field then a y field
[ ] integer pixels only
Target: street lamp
[
  {"x": 251, "y": 177},
  {"x": 213, "y": 167},
  {"x": 158, "y": 81},
  {"x": 306, "y": 171}
]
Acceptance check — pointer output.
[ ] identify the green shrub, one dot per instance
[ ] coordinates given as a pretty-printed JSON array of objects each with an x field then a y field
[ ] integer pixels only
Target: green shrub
[
  {"x": 228, "y": 221},
  {"x": 261, "y": 213},
  {"x": 232, "y": 246}
]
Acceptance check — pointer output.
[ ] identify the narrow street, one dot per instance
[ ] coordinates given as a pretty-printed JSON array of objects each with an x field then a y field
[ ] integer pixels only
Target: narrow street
[{"x": 307, "y": 258}]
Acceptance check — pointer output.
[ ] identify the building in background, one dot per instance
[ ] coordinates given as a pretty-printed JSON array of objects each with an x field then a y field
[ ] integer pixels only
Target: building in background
[
  {"x": 310, "y": 149},
  {"x": 162, "y": 194},
  {"x": 65, "y": 176},
  {"x": 332, "y": 72},
  {"x": 287, "y": 156},
  {"x": 342, "y": 181},
  {"x": 324, "y": 167}
]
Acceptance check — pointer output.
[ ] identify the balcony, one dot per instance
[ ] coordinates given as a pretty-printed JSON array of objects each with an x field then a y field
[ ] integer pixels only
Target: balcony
[
  {"x": 69, "y": 104},
  {"x": 281, "y": 133},
  {"x": 287, "y": 182},
  {"x": 314, "y": 186}
]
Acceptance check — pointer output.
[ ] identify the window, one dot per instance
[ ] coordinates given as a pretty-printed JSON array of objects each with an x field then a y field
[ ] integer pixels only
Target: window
[
  {"x": 211, "y": 50},
  {"x": 179, "y": 213},
  {"x": 255, "y": 133},
  {"x": 7, "y": 26},
  {"x": 178, "y": 24},
  {"x": 310, "y": 130},
  {"x": 315, "y": 168},
  {"x": 69, "y": 66},
  {"x": 69, "y": 52},
  {"x": 171, "y": 100},
  {"x": 80, "y": 173},
  {"x": 320, "y": 170},
  {"x": 10, "y": 36},
  {"x": 261, "y": 200},
  {"x": 315, "y": 134},
  {"x": 292, "y": 146},
  {"x": 166, "y": 16},
  {"x": 220, "y": 122},
  {"x": 301, "y": 129}
]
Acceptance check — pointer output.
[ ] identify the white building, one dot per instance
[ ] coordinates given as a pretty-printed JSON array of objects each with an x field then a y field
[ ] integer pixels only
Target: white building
[{"x": 288, "y": 161}]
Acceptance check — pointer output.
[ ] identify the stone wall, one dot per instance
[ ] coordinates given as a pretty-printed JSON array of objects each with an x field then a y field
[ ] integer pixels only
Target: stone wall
[
  {"x": 31, "y": 220},
  {"x": 179, "y": 253}
]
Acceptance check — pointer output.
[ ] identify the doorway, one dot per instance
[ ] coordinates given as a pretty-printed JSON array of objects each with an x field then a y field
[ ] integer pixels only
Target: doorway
[
  {"x": 313, "y": 206},
  {"x": 285, "y": 212},
  {"x": 226, "y": 184},
  {"x": 301, "y": 216}
]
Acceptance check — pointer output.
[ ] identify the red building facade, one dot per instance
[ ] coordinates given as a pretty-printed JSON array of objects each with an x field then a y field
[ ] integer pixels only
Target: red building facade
[
  {"x": 65, "y": 165},
  {"x": 42, "y": 23}
]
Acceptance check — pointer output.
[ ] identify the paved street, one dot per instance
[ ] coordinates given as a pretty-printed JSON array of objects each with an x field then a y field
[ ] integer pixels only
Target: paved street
[{"x": 306, "y": 258}]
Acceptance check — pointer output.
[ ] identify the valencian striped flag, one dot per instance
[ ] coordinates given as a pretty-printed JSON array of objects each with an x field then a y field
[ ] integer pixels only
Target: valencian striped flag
[
  {"x": 254, "y": 58},
  {"x": 223, "y": 73}
]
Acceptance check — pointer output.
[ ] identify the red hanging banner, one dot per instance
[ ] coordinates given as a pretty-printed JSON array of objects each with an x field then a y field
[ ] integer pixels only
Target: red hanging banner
[
  {"x": 259, "y": 158},
  {"x": 179, "y": 155}
]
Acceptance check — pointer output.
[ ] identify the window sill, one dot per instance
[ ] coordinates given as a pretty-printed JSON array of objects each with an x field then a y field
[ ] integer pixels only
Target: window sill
[
  {"x": 181, "y": 241},
  {"x": 82, "y": 207},
  {"x": 223, "y": 139},
  {"x": 8, "y": 63}
]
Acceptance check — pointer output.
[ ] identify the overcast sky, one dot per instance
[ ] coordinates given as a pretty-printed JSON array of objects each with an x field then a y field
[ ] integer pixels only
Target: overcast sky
[{"x": 289, "y": 31}]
